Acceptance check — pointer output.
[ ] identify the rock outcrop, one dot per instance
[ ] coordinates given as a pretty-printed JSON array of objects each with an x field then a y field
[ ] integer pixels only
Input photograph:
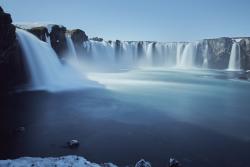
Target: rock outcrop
[
  {"x": 245, "y": 53},
  {"x": 219, "y": 52},
  {"x": 118, "y": 49},
  {"x": 58, "y": 39},
  {"x": 78, "y": 37},
  {"x": 41, "y": 32},
  {"x": 11, "y": 65}
]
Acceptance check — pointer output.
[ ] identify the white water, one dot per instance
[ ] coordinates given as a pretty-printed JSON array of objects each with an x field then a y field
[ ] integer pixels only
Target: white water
[
  {"x": 47, "y": 72},
  {"x": 71, "y": 47},
  {"x": 104, "y": 54},
  {"x": 45, "y": 69},
  {"x": 234, "y": 61},
  {"x": 187, "y": 58},
  {"x": 205, "y": 57}
]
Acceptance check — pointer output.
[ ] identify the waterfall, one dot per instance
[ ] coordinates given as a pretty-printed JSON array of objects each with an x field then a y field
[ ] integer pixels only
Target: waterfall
[
  {"x": 71, "y": 47},
  {"x": 234, "y": 61},
  {"x": 187, "y": 58},
  {"x": 205, "y": 57},
  {"x": 45, "y": 70},
  {"x": 147, "y": 54},
  {"x": 180, "y": 47}
]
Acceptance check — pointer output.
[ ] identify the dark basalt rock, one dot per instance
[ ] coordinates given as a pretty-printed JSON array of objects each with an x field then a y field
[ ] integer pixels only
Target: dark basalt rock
[
  {"x": 40, "y": 32},
  {"x": 58, "y": 39},
  {"x": 140, "y": 50},
  {"x": 118, "y": 49},
  {"x": 219, "y": 51},
  {"x": 79, "y": 37},
  {"x": 12, "y": 70},
  {"x": 174, "y": 163},
  {"x": 73, "y": 144},
  {"x": 245, "y": 53},
  {"x": 5, "y": 18},
  {"x": 97, "y": 39}
]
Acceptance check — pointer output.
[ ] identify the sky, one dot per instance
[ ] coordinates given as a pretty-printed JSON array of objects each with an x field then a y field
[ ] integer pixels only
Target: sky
[{"x": 152, "y": 20}]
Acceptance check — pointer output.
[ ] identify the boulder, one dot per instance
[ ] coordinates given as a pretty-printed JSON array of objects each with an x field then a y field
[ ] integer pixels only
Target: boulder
[
  {"x": 174, "y": 163},
  {"x": 73, "y": 144}
]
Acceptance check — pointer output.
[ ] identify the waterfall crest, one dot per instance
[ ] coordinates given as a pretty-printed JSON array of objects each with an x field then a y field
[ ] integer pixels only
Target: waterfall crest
[{"x": 45, "y": 70}]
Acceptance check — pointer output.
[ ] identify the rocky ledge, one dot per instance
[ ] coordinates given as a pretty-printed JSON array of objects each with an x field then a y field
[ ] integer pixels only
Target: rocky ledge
[{"x": 12, "y": 71}]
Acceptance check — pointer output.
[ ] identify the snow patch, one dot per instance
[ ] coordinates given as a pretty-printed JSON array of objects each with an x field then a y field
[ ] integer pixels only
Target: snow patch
[
  {"x": 27, "y": 25},
  {"x": 64, "y": 161}
]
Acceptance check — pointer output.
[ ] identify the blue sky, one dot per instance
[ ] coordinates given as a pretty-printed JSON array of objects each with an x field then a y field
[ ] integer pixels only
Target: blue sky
[{"x": 159, "y": 20}]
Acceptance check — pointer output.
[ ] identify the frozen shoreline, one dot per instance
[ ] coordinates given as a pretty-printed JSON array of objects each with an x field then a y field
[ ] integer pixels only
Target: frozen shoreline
[{"x": 64, "y": 161}]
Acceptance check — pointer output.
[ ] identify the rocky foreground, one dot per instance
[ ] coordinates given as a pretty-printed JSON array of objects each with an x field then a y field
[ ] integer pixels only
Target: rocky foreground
[
  {"x": 65, "y": 161},
  {"x": 69, "y": 161}
]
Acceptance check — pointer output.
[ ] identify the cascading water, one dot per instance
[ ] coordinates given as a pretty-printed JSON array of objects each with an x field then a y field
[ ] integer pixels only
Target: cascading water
[
  {"x": 151, "y": 54},
  {"x": 71, "y": 47},
  {"x": 205, "y": 57},
  {"x": 187, "y": 58},
  {"x": 180, "y": 48},
  {"x": 46, "y": 71},
  {"x": 132, "y": 54},
  {"x": 102, "y": 54},
  {"x": 234, "y": 61}
]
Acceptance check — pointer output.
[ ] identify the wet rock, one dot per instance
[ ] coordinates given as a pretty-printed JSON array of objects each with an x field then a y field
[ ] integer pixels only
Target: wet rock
[
  {"x": 58, "y": 40},
  {"x": 11, "y": 64},
  {"x": 219, "y": 51},
  {"x": 174, "y": 163},
  {"x": 142, "y": 163},
  {"x": 40, "y": 32},
  {"x": 245, "y": 53},
  {"x": 118, "y": 49},
  {"x": 73, "y": 144},
  {"x": 79, "y": 37}
]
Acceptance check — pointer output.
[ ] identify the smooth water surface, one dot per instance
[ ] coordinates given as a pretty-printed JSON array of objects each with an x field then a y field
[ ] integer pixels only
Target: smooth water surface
[{"x": 200, "y": 117}]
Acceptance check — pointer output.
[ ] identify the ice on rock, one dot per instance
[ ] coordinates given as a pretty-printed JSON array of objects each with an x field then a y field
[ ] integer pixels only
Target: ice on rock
[
  {"x": 65, "y": 161},
  {"x": 142, "y": 163}
]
